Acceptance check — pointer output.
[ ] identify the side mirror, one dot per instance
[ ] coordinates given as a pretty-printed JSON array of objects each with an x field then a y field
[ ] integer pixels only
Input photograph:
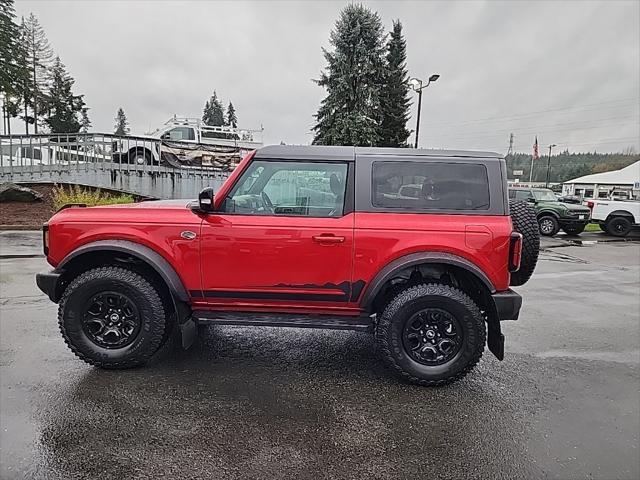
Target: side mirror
[
  {"x": 205, "y": 200},
  {"x": 531, "y": 200}
]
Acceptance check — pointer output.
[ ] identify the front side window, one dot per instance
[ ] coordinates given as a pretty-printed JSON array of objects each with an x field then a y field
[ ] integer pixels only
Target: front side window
[
  {"x": 178, "y": 134},
  {"x": 545, "y": 196},
  {"x": 311, "y": 189},
  {"x": 430, "y": 185},
  {"x": 523, "y": 195}
]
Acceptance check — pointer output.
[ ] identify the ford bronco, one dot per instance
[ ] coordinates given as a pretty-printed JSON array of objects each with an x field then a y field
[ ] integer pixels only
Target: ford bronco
[
  {"x": 418, "y": 247},
  {"x": 553, "y": 214}
]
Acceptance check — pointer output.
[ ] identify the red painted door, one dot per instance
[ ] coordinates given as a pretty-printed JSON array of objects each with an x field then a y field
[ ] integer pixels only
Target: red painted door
[{"x": 282, "y": 241}]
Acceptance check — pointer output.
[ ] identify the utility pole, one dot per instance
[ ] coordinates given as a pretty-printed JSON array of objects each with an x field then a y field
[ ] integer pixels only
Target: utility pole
[
  {"x": 511, "y": 138},
  {"x": 546, "y": 185}
]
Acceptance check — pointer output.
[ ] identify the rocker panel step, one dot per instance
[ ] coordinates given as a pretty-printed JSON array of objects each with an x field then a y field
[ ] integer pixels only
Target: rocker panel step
[{"x": 331, "y": 322}]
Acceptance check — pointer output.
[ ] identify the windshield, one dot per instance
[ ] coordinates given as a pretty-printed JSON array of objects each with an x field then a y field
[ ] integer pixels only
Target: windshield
[{"x": 545, "y": 196}]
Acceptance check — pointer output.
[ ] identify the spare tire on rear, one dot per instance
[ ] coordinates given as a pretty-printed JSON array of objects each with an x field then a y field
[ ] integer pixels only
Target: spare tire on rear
[{"x": 524, "y": 221}]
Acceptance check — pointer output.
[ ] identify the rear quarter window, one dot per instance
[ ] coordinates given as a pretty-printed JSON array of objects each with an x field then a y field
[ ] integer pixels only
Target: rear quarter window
[{"x": 430, "y": 186}]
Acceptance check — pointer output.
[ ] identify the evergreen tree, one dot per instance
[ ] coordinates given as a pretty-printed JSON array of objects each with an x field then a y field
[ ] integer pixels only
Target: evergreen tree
[
  {"x": 122, "y": 125},
  {"x": 64, "y": 108},
  {"x": 232, "y": 120},
  {"x": 206, "y": 113},
  {"x": 14, "y": 73},
  {"x": 12, "y": 55},
  {"x": 351, "y": 112},
  {"x": 85, "y": 123},
  {"x": 38, "y": 58},
  {"x": 213, "y": 112},
  {"x": 395, "y": 101}
]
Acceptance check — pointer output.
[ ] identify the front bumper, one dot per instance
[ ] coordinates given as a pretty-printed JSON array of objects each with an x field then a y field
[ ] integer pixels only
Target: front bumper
[
  {"x": 48, "y": 282},
  {"x": 507, "y": 304},
  {"x": 571, "y": 222}
]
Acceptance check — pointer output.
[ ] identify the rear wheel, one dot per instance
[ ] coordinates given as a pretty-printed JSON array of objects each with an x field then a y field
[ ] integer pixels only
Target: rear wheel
[
  {"x": 111, "y": 317},
  {"x": 574, "y": 229},
  {"x": 431, "y": 334},
  {"x": 548, "y": 225},
  {"x": 618, "y": 226},
  {"x": 524, "y": 222}
]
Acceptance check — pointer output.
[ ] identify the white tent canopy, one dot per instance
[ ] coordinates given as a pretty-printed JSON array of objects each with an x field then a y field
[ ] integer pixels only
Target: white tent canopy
[
  {"x": 625, "y": 176},
  {"x": 601, "y": 185}
]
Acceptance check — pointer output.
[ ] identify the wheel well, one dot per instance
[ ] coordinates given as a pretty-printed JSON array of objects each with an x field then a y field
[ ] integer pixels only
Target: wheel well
[
  {"x": 102, "y": 258},
  {"x": 547, "y": 214},
  {"x": 620, "y": 213},
  {"x": 442, "y": 273},
  {"x": 144, "y": 150}
]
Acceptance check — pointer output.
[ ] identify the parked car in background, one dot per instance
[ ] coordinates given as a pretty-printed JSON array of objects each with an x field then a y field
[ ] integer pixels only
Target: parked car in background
[
  {"x": 615, "y": 217},
  {"x": 552, "y": 214},
  {"x": 187, "y": 142}
]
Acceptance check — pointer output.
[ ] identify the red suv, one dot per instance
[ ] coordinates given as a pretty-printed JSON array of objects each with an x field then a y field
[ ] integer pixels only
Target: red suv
[{"x": 416, "y": 246}]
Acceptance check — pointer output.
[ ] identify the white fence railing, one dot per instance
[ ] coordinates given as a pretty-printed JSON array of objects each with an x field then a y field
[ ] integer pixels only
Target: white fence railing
[{"x": 135, "y": 164}]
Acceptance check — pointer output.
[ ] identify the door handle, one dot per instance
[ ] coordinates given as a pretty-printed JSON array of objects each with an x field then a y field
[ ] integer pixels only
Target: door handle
[{"x": 327, "y": 239}]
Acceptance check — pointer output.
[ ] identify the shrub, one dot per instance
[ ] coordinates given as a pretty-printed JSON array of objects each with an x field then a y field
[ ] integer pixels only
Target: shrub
[{"x": 89, "y": 197}]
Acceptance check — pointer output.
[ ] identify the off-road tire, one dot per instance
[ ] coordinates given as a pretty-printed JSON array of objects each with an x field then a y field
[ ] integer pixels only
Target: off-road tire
[
  {"x": 618, "y": 226},
  {"x": 553, "y": 221},
  {"x": 524, "y": 222},
  {"x": 143, "y": 294},
  {"x": 399, "y": 310},
  {"x": 574, "y": 230},
  {"x": 133, "y": 155}
]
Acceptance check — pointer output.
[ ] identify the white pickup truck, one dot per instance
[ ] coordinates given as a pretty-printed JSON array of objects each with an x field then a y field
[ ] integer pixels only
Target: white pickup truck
[
  {"x": 616, "y": 217},
  {"x": 184, "y": 142}
]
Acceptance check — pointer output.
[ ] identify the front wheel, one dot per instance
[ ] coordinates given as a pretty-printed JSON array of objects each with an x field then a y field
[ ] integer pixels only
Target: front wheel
[
  {"x": 139, "y": 157},
  {"x": 431, "y": 334},
  {"x": 548, "y": 225},
  {"x": 112, "y": 317},
  {"x": 574, "y": 229}
]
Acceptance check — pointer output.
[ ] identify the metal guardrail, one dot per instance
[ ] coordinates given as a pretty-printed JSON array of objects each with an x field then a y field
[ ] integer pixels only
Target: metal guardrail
[{"x": 103, "y": 160}]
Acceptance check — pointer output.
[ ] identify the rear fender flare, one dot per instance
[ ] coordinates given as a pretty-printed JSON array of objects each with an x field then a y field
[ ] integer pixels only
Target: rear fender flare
[{"x": 392, "y": 268}]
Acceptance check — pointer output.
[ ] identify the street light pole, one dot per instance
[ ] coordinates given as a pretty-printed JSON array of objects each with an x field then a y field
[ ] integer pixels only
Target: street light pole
[
  {"x": 418, "y": 116},
  {"x": 4, "y": 125},
  {"x": 546, "y": 185},
  {"x": 417, "y": 86}
]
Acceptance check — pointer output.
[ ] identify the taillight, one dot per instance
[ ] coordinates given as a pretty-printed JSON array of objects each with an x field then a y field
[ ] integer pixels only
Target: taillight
[
  {"x": 590, "y": 205},
  {"x": 515, "y": 251},
  {"x": 45, "y": 238}
]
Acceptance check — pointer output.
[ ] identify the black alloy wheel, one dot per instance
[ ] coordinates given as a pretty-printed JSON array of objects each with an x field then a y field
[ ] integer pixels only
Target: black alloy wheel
[
  {"x": 111, "y": 320},
  {"x": 432, "y": 336}
]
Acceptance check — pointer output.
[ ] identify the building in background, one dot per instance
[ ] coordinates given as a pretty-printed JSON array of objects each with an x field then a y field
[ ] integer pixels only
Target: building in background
[{"x": 623, "y": 183}]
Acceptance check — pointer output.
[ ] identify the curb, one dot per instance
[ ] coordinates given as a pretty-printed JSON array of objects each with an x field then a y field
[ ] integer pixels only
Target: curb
[
  {"x": 21, "y": 255},
  {"x": 35, "y": 228}
]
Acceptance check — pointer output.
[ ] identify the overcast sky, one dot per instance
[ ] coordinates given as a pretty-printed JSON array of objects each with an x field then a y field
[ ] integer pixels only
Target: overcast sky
[{"x": 566, "y": 71}]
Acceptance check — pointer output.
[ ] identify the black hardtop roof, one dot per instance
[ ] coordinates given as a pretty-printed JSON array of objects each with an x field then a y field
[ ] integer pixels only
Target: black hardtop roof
[{"x": 322, "y": 152}]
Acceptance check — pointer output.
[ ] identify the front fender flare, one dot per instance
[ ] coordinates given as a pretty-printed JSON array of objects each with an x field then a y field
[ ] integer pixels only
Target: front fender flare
[{"x": 142, "y": 252}]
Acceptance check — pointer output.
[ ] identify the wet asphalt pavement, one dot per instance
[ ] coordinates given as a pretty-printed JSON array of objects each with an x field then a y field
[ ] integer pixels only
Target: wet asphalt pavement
[{"x": 295, "y": 403}]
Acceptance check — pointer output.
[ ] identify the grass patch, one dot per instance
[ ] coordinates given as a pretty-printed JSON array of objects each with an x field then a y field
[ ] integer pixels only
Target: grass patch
[
  {"x": 89, "y": 197},
  {"x": 593, "y": 227}
]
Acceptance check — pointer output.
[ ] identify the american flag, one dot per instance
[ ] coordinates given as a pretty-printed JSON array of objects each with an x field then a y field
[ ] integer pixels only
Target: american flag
[{"x": 536, "y": 155}]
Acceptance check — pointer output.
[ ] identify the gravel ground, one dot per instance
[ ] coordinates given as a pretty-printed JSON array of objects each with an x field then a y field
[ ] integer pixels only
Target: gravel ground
[{"x": 294, "y": 403}]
